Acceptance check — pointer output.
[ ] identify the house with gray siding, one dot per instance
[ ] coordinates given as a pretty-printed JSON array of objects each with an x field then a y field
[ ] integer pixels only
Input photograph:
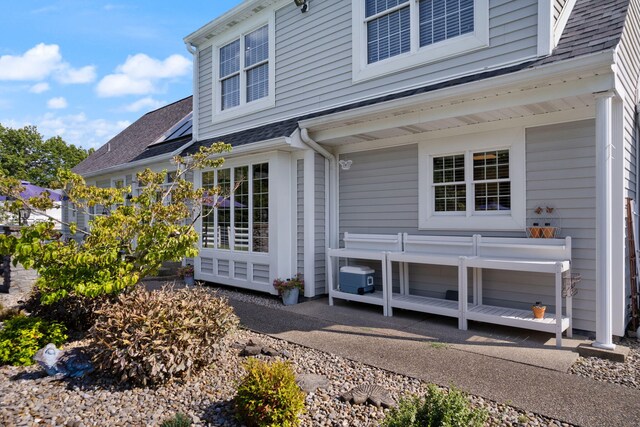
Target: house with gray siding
[
  {"x": 149, "y": 142},
  {"x": 424, "y": 119}
]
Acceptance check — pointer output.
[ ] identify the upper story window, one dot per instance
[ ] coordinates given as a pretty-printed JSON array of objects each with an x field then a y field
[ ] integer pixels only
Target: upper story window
[
  {"x": 473, "y": 182},
  {"x": 414, "y": 32},
  {"x": 243, "y": 71}
]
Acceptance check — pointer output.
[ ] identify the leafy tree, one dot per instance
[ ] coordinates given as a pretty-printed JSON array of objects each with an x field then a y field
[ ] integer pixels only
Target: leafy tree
[
  {"x": 25, "y": 155},
  {"x": 120, "y": 248}
]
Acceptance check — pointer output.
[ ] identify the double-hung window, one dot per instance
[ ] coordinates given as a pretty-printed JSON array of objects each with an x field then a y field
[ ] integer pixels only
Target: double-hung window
[
  {"x": 473, "y": 182},
  {"x": 243, "y": 72},
  {"x": 414, "y": 32}
]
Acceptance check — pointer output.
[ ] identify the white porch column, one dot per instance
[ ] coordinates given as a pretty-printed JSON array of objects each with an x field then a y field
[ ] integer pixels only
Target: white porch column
[{"x": 604, "y": 154}]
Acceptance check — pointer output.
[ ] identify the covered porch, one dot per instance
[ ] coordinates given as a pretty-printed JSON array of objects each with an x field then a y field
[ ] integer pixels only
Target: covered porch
[{"x": 562, "y": 127}]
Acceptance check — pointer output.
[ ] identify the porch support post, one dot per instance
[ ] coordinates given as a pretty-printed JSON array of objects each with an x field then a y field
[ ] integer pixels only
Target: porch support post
[
  {"x": 604, "y": 154},
  {"x": 309, "y": 224}
]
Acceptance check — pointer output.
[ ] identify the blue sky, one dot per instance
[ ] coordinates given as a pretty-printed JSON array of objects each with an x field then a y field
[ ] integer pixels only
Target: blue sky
[{"x": 86, "y": 69}]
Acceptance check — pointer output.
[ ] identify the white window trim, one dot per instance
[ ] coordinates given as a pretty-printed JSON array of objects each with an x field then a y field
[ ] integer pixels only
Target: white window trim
[
  {"x": 244, "y": 107},
  {"x": 512, "y": 139},
  {"x": 417, "y": 55}
]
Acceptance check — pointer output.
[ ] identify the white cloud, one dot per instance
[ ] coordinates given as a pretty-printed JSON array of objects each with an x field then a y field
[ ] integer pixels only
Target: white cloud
[
  {"x": 146, "y": 104},
  {"x": 68, "y": 75},
  {"x": 35, "y": 64},
  {"x": 140, "y": 74},
  {"x": 39, "y": 87},
  {"x": 57, "y": 103},
  {"x": 78, "y": 129},
  {"x": 41, "y": 62}
]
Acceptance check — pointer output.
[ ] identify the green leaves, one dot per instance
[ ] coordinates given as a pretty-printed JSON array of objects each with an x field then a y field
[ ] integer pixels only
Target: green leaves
[{"x": 22, "y": 336}]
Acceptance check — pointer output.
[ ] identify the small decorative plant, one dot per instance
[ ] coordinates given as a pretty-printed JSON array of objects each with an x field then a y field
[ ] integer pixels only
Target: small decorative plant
[
  {"x": 268, "y": 395},
  {"x": 538, "y": 310},
  {"x": 438, "y": 408},
  {"x": 294, "y": 282},
  {"x": 186, "y": 271}
]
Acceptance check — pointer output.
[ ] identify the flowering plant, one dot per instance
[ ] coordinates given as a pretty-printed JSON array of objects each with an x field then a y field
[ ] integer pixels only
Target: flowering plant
[
  {"x": 282, "y": 285},
  {"x": 186, "y": 271}
]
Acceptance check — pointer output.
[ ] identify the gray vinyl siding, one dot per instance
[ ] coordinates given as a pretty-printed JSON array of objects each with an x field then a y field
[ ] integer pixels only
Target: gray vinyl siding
[
  {"x": 628, "y": 56},
  {"x": 379, "y": 194},
  {"x": 304, "y": 71},
  {"x": 300, "y": 215},
  {"x": 319, "y": 226}
]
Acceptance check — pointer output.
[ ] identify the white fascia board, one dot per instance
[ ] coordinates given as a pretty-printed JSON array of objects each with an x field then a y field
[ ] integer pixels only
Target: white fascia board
[
  {"x": 561, "y": 23},
  {"x": 568, "y": 67},
  {"x": 130, "y": 165},
  {"x": 258, "y": 147},
  {"x": 229, "y": 19}
]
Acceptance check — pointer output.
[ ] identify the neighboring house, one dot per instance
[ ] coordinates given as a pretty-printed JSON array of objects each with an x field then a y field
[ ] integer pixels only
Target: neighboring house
[
  {"x": 150, "y": 141},
  {"x": 341, "y": 117}
]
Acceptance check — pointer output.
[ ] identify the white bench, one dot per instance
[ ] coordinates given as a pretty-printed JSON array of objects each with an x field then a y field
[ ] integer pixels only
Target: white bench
[
  {"x": 367, "y": 247},
  {"x": 551, "y": 256},
  {"x": 435, "y": 250}
]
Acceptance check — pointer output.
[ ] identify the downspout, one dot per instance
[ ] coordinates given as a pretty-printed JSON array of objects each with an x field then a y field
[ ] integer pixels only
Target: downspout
[
  {"x": 193, "y": 50},
  {"x": 333, "y": 184}
]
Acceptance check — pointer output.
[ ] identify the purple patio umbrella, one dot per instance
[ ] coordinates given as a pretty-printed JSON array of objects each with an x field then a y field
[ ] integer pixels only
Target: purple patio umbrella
[
  {"x": 32, "y": 190},
  {"x": 223, "y": 202}
]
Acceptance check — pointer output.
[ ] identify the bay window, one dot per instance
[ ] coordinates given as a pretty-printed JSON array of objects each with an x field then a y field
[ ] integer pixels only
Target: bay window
[{"x": 237, "y": 216}]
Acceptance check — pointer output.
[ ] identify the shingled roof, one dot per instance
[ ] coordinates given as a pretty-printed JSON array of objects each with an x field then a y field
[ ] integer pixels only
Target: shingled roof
[
  {"x": 592, "y": 27},
  {"x": 132, "y": 142}
]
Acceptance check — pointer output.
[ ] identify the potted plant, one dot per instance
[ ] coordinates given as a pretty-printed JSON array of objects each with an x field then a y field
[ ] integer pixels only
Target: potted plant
[
  {"x": 186, "y": 273},
  {"x": 538, "y": 310},
  {"x": 289, "y": 289},
  {"x": 541, "y": 226}
]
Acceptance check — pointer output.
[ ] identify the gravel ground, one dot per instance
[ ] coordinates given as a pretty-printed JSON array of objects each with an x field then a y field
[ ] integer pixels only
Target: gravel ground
[
  {"x": 28, "y": 398},
  {"x": 626, "y": 374}
]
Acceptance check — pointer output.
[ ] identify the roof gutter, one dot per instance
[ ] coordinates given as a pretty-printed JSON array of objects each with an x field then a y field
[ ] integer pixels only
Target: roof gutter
[{"x": 333, "y": 185}]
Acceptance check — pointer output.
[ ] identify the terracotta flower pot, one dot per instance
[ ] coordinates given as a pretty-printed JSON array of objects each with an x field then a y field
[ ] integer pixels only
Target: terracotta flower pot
[
  {"x": 535, "y": 232},
  {"x": 538, "y": 311}
]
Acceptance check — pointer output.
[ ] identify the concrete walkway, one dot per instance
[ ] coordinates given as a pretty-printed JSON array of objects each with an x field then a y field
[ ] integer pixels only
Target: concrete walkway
[{"x": 515, "y": 367}]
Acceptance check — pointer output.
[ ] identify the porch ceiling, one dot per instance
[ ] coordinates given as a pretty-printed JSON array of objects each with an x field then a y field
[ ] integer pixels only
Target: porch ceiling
[
  {"x": 535, "y": 99},
  {"x": 355, "y": 130}
]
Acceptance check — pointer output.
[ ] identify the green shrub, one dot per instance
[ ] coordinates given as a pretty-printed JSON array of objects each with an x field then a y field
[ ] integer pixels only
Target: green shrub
[
  {"x": 152, "y": 337},
  {"x": 178, "y": 420},
  {"x": 437, "y": 409},
  {"x": 268, "y": 395},
  {"x": 22, "y": 336},
  {"x": 75, "y": 311}
]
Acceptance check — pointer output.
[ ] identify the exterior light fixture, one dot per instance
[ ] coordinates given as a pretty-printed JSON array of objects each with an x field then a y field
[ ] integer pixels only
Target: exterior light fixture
[
  {"x": 105, "y": 211},
  {"x": 23, "y": 215},
  {"x": 302, "y": 4},
  {"x": 345, "y": 165}
]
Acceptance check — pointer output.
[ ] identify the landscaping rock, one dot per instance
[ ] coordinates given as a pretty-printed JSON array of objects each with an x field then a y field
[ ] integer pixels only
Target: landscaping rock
[
  {"x": 309, "y": 383},
  {"x": 372, "y": 393}
]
